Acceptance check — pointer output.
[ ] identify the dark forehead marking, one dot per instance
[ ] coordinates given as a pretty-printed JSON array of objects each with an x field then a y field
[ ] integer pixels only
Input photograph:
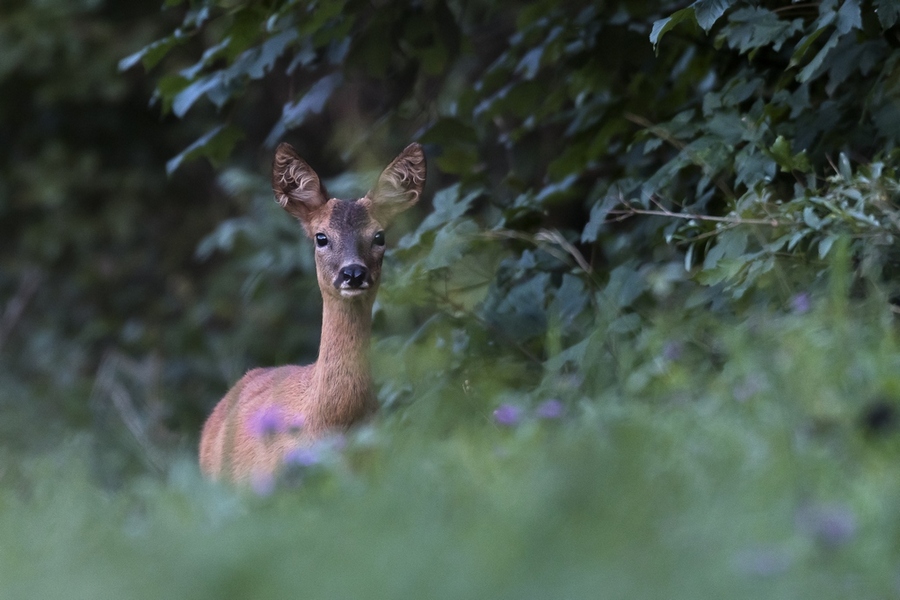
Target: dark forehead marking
[{"x": 348, "y": 214}]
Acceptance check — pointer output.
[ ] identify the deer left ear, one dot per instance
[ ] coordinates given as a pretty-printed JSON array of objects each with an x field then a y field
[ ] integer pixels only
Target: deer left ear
[
  {"x": 399, "y": 185},
  {"x": 297, "y": 187}
]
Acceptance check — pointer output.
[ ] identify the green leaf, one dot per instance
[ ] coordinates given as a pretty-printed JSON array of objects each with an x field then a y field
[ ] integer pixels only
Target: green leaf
[
  {"x": 215, "y": 145},
  {"x": 754, "y": 27},
  {"x": 209, "y": 55},
  {"x": 557, "y": 189},
  {"x": 689, "y": 257},
  {"x": 256, "y": 62},
  {"x": 625, "y": 285},
  {"x": 844, "y": 167},
  {"x": 708, "y": 12},
  {"x": 313, "y": 101},
  {"x": 781, "y": 153},
  {"x": 570, "y": 300},
  {"x": 168, "y": 88},
  {"x": 796, "y": 237},
  {"x": 848, "y": 17},
  {"x": 888, "y": 12},
  {"x": 804, "y": 46},
  {"x": 530, "y": 63},
  {"x": 448, "y": 206},
  {"x": 662, "y": 26},
  {"x": 729, "y": 245},
  {"x": 189, "y": 95},
  {"x": 520, "y": 312},
  {"x": 812, "y": 68},
  {"x": 627, "y": 323},
  {"x": 151, "y": 54},
  {"x": 450, "y": 244},
  {"x": 812, "y": 219},
  {"x": 599, "y": 212},
  {"x": 752, "y": 167},
  {"x": 704, "y": 12},
  {"x": 826, "y": 244},
  {"x": 726, "y": 269}
]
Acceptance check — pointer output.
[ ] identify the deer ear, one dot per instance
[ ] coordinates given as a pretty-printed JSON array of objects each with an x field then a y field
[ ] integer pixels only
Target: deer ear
[
  {"x": 399, "y": 185},
  {"x": 297, "y": 187}
]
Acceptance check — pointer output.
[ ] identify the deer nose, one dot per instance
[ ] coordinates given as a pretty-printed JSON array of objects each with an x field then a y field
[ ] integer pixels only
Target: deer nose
[{"x": 354, "y": 276}]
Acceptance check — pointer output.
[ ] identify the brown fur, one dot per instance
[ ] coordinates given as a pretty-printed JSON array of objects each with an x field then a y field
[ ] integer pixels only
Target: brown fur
[{"x": 335, "y": 391}]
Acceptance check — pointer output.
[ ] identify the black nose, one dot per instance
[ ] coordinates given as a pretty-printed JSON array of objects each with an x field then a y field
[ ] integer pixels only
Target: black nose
[{"x": 353, "y": 275}]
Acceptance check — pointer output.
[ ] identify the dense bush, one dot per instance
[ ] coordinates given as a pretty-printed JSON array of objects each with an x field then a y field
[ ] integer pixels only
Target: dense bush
[{"x": 576, "y": 170}]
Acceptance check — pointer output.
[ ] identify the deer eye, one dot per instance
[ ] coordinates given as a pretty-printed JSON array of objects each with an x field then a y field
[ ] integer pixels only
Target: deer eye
[
  {"x": 321, "y": 240},
  {"x": 378, "y": 240}
]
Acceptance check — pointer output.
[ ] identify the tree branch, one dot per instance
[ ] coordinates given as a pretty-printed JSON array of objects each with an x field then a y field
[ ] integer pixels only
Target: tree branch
[{"x": 630, "y": 210}]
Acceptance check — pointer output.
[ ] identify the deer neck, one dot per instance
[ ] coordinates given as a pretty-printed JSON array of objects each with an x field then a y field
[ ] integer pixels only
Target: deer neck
[{"x": 342, "y": 380}]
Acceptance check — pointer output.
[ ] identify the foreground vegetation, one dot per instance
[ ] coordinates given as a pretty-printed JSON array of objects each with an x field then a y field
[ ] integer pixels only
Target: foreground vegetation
[{"x": 756, "y": 459}]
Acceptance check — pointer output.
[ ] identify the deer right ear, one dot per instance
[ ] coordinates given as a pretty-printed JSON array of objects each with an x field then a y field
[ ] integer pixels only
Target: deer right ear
[
  {"x": 297, "y": 187},
  {"x": 400, "y": 184}
]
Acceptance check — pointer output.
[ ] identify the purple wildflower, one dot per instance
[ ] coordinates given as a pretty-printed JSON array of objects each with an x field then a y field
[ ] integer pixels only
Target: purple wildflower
[
  {"x": 550, "y": 409},
  {"x": 672, "y": 351},
  {"x": 801, "y": 303},
  {"x": 832, "y": 525},
  {"x": 266, "y": 421},
  {"x": 302, "y": 457},
  {"x": 508, "y": 415}
]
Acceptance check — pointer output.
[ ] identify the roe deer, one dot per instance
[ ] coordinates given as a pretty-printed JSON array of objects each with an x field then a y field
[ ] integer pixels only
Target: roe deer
[{"x": 272, "y": 411}]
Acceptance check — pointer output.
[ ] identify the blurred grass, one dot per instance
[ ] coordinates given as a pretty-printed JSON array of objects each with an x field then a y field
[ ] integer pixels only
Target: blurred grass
[{"x": 758, "y": 459}]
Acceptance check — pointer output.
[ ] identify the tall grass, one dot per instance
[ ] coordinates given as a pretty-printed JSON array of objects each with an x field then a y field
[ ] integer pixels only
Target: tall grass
[{"x": 754, "y": 459}]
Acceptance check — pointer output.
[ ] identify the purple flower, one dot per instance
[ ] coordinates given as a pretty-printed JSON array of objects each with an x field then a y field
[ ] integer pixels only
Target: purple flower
[
  {"x": 832, "y": 525},
  {"x": 302, "y": 457},
  {"x": 266, "y": 421},
  {"x": 508, "y": 415},
  {"x": 672, "y": 351},
  {"x": 550, "y": 409},
  {"x": 801, "y": 303}
]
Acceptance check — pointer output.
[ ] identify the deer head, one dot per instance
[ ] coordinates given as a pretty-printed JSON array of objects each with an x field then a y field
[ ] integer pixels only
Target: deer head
[{"x": 349, "y": 235}]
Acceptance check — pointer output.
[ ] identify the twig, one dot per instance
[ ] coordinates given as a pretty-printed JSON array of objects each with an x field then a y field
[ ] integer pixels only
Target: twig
[
  {"x": 795, "y": 7},
  {"x": 110, "y": 383},
  {"x": 548, "y": 236},
  {"x": 710, "y": 234},
  {"x": 630, "y": 210},
  {"x": 554, "y": 236}
]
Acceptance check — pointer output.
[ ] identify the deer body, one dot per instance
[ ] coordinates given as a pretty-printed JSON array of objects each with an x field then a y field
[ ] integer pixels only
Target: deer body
[{"x": 272, "y": 411}]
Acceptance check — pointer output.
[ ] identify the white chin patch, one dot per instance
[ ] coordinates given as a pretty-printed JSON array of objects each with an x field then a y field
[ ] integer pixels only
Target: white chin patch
[{"x": 353, "y": 292}]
